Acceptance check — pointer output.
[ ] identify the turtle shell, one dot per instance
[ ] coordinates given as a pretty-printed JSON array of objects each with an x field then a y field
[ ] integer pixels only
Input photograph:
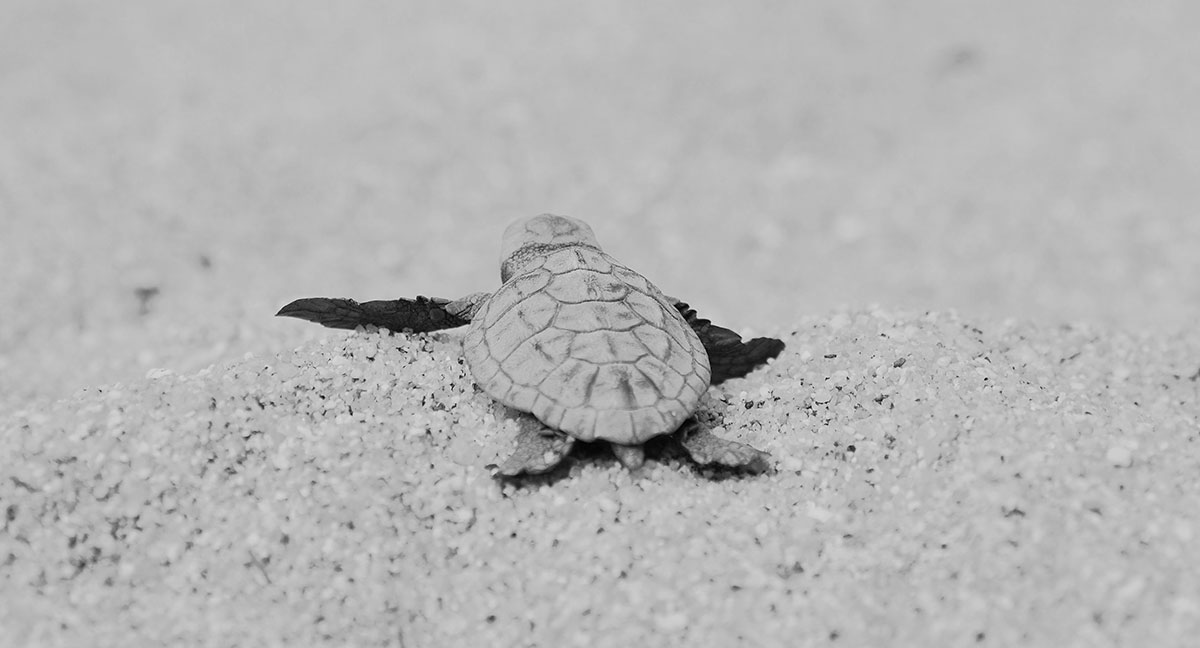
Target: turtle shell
[{"x": 589, "y": 347}]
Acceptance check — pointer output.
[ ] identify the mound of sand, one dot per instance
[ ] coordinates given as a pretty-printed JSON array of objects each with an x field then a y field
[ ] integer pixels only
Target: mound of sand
[{"x": 937, "y": 481}]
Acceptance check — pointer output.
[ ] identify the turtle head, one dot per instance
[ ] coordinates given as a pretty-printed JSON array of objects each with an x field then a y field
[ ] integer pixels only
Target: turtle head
[{"x": 529, "y": 238}]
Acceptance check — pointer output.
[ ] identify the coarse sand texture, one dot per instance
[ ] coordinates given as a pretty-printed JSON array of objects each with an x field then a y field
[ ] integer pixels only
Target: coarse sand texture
[{"x": 938, "y": 482}]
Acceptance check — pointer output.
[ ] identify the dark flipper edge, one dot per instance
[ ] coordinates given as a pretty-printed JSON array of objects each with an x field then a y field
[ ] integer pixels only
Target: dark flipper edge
[
  {"x": 418, "y": 315},
  {"x": 727, "y": 354}
]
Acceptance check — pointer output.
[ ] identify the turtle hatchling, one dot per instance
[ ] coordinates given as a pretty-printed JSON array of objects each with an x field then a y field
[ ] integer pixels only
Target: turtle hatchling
[{"x": 584, "y": 349}]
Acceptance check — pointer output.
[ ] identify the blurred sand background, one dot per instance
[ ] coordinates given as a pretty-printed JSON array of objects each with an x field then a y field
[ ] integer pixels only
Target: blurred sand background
[
  {"x": 763, "y": 161},
  {"x": 172, "y": 172}
]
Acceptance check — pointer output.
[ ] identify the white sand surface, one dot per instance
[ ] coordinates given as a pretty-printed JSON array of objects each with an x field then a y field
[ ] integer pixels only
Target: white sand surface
[
  {"x": 938, "y": 481},
  {"x": 1002, "y": 452}
]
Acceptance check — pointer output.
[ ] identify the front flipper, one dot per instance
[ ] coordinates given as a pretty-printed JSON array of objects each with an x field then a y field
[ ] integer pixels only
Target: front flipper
[
  {"x": 539, "y": 449},
  {"x": 418, "y": 315},
  {"x": 728, "y": 356},
  {"x": 707, "y": 448}
]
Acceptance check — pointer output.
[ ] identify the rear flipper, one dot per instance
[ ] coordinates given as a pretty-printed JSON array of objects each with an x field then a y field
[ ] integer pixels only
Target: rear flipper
[
  {"x": 418, "y": 315},
  {"x": 539, "y": 449},
  {"x": 728, "y": 356},
  {"x": 707, "y": 448}
]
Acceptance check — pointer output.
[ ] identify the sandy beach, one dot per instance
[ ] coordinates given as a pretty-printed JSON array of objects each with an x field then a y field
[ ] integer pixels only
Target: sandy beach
[{"x": 975, "y": 226}]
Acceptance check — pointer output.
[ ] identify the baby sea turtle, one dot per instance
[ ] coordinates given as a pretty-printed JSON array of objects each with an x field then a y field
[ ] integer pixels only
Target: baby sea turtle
[{"x": 591, "y": 349}]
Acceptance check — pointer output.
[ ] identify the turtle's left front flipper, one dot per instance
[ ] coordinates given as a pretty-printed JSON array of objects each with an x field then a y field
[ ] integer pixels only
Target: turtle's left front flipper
[
  {"x": 728, "y": 355},
  {"x": 419, "y": 315}
]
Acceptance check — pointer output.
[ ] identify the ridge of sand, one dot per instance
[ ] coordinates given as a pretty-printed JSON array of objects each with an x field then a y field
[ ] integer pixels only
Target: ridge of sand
[{"x": 939, "y": 481}]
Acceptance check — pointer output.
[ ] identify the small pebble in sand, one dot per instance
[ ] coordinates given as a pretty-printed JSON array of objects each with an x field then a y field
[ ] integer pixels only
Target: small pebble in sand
[
  {"x": 1119, "y": 456},
  {"x": 672, "y": 622},
  {"x": 791, "y": 463}
]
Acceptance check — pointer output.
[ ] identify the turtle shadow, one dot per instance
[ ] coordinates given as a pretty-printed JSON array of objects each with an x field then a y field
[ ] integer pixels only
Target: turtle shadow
[
  {"x": 666, "y": 450},
  {"x": 584, "y": 452}
]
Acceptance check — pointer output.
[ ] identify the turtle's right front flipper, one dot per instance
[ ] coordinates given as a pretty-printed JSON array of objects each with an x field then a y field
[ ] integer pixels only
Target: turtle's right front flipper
[
  {"x": 418, "y": 315},
  {"x": 728, "y": 356}
]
